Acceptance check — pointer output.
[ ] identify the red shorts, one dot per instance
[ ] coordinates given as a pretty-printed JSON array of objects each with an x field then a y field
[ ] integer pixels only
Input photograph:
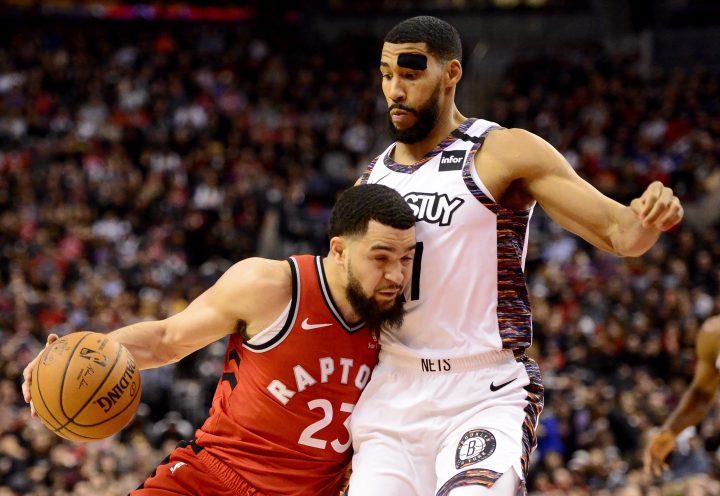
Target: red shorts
[{"x": 189, "y": 471}]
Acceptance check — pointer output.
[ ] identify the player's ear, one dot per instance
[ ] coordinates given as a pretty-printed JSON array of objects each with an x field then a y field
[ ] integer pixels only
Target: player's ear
[
  {"x": 453, "y": 72},
  {"x": 338, "y": 249}
]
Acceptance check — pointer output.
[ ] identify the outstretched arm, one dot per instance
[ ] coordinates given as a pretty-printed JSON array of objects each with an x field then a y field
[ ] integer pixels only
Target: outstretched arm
[
  {"x": 696, "y": 401},
  {"x": 232, "y": 301},
  {"x": 252, "y": 293},
  {"x": 576, "y": 205}
]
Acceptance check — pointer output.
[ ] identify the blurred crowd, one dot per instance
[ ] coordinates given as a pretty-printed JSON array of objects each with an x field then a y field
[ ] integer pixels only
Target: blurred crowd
[{"x": 138, "y": 164}]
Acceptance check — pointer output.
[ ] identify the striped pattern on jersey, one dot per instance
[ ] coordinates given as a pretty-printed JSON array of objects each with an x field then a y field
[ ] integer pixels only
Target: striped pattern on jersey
[
  {"x": 472, "y": 477},
  {"x": 513, "y": 310},
  {"x": 535, "y": 402},
  {"x": 408, "y": 169}
]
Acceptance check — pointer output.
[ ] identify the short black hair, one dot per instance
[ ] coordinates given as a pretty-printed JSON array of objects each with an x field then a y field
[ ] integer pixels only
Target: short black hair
[
  {"x": 441, "y": 38},
  {"x": 357, "y": 206}
]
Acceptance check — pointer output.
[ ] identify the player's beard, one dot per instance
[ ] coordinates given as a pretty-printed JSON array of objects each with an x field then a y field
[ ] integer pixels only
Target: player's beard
[
  {"x": 367, "y": 308},
  {"x": 427, "y": 117}
]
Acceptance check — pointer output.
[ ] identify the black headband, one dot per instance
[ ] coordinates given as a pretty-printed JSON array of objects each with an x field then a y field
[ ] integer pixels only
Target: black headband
[{"x": 414, "y": 61}]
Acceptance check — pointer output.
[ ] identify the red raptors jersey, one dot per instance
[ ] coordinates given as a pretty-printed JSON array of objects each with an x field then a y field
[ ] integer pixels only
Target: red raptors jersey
[{"x": 280, "y": 415}]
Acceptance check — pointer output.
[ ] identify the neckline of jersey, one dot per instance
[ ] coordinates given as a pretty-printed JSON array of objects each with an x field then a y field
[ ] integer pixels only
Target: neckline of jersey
[
  {"x": 330, "y": 301},
  {"x": 449, "y": 139}
]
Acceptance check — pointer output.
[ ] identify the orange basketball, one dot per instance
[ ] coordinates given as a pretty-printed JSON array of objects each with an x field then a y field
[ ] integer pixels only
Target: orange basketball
[{"x": 85, "y": 386}]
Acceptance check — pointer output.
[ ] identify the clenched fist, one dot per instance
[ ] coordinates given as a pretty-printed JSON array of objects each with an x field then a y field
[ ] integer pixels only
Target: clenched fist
[{"x": 658, "y": 207}]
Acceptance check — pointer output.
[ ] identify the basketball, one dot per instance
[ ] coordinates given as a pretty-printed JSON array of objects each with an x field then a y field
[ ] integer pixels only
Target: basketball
[{"x": 85, "y": 386}]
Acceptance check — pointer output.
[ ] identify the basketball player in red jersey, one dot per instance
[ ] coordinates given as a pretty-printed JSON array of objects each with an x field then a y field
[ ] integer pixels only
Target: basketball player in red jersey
[
  {"x": 696, "y": 401},
  {"x": 303, "y": 343}
]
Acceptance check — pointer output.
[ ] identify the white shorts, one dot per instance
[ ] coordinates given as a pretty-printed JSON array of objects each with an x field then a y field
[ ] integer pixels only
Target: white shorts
[{"x": 424, "y": 427}]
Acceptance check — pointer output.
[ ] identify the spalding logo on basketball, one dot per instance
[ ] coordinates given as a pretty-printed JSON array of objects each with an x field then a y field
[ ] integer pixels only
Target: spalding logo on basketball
[
  {"x": 475, "y": 446},
  {"x": 85, "y": 386}
]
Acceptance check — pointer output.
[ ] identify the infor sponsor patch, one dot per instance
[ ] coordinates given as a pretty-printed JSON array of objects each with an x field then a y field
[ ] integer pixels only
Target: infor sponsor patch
[{"x": 475, "y": 446}]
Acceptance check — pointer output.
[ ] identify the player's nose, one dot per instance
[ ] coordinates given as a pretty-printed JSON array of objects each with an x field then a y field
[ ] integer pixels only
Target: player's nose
[
  {"x": 395, "y": 90},
  {"x": 395, "y": 275}
]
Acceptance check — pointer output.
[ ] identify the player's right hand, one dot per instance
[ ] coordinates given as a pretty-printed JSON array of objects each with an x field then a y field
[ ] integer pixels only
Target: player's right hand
[
  {"x": 657, "y": 450},
  {"x": 27, "y": 375}
]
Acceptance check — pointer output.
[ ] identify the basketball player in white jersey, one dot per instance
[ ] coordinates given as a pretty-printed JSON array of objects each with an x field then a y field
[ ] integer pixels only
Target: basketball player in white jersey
[
  {"x": 696, "y": 401},
  {"x": 453, "y": 405}
]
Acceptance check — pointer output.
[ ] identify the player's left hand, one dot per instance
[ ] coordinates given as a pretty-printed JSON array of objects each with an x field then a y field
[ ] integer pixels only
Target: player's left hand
[
  {"x": 658, "y": 207},
  {"x": 27, "y": 375},
  {"x": 657, "y": 450}
]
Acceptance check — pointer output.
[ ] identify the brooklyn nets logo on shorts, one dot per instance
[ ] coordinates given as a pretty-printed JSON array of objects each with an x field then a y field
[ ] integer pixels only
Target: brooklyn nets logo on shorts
[{"x": 475, "y": 446}]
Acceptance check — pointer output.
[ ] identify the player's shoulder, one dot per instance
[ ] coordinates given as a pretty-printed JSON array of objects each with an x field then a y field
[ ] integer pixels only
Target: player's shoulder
[
  {"x": 512, "y": 135},
  {"x": 519, "y": 147},
  {"x": 257, "y": 275}
]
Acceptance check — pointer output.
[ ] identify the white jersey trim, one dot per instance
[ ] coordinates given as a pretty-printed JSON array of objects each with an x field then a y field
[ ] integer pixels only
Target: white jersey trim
[
  {"x": 272, "y": 330},
  {"x": 272, "y": 336},
  {"x": 330, "y": 302},
  {"x": 478, "y": 181}
]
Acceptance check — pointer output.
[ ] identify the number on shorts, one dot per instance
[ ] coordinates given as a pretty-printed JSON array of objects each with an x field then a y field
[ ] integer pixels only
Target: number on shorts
[{"x": 306, "y": 437}]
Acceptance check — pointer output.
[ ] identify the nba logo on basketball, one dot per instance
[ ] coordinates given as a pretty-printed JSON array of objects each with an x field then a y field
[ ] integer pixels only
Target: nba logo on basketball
[{"x": 93, "y": 355}]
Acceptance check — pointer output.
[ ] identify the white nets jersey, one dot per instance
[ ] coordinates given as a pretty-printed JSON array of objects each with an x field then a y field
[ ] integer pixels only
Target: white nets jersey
[{"x": 468, "y": 294}]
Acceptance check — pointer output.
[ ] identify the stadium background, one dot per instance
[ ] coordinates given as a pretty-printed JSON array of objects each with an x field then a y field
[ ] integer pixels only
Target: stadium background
[{"x": 144, "y": 148}]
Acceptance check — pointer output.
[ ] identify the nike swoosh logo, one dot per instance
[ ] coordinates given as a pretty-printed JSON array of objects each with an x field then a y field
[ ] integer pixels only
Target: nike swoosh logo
[
  {"x": 494, "y": 388},
  {"x": 307, "y": 326}
]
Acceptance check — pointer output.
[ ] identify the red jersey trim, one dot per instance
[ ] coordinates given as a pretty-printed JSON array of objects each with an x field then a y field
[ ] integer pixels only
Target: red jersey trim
[
  {"x": 327, "y": 296},
  {"x": 292, "y": 314}
]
